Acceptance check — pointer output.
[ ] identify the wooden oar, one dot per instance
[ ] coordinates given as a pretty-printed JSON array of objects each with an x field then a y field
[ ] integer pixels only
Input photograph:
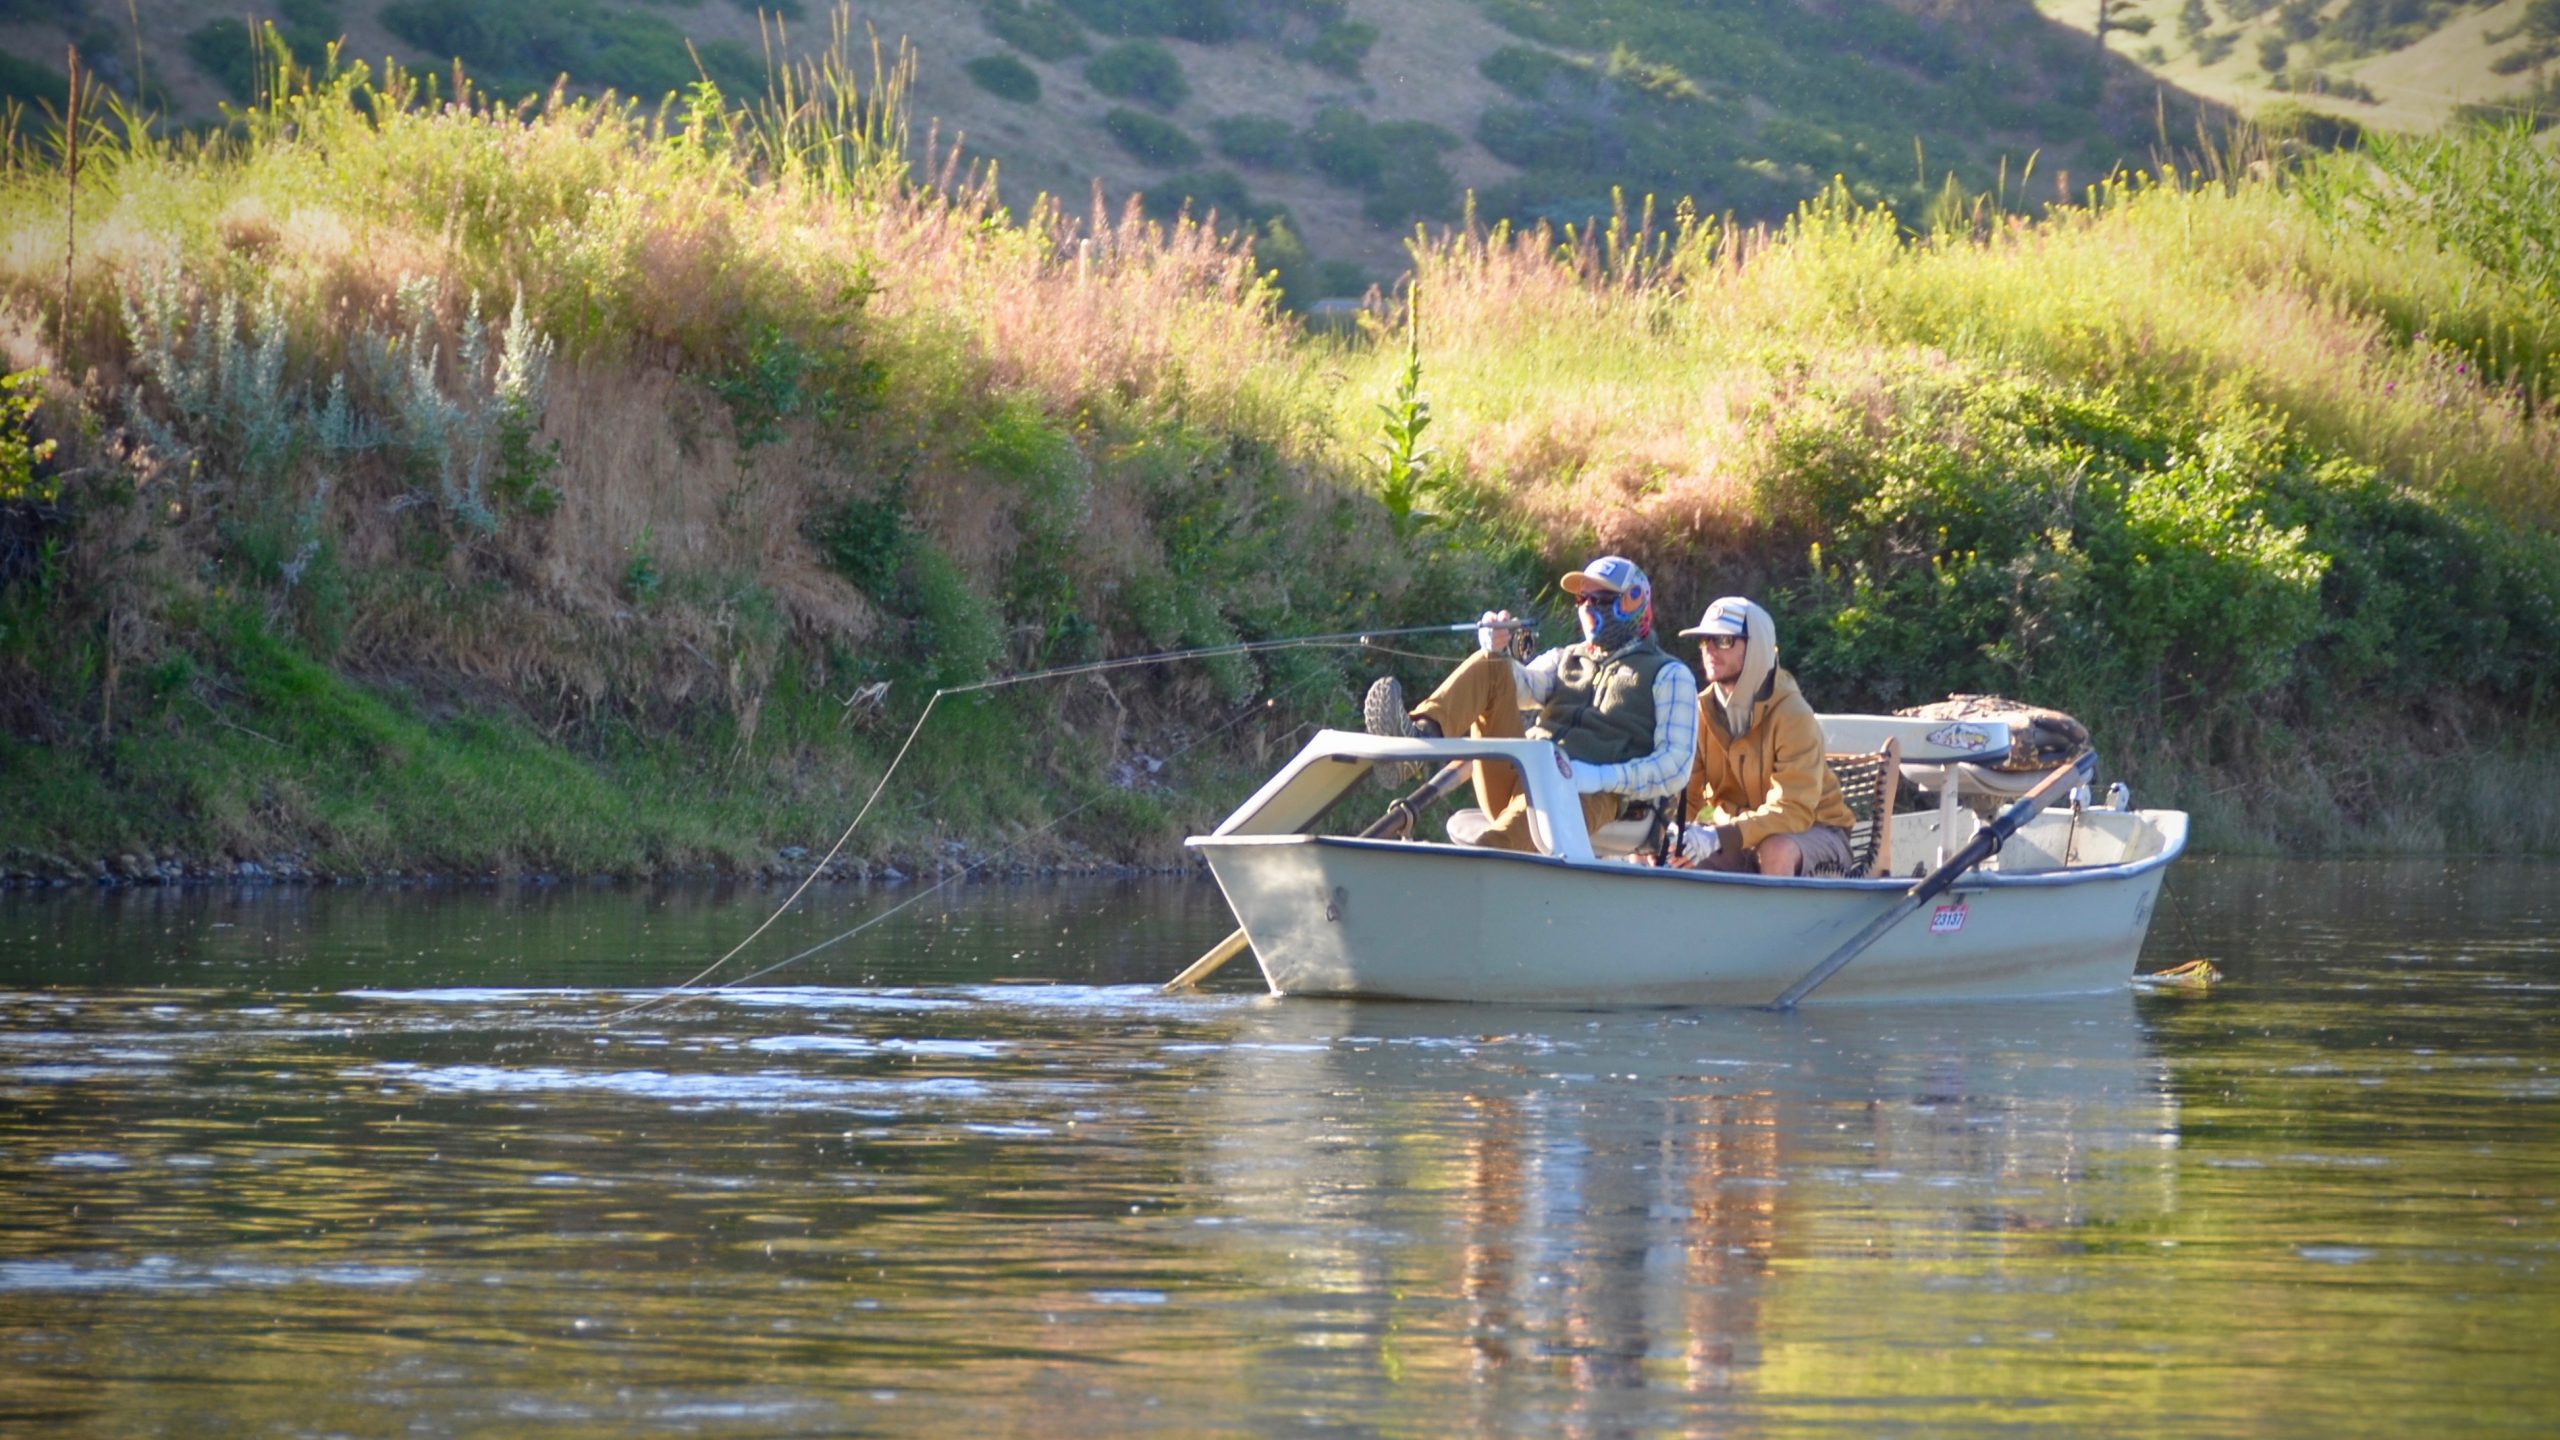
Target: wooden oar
[
  {"x": 1401, "y": 815},
  {"x": 1985, "y": 841},
  {"x": 1200, "y": 969}
]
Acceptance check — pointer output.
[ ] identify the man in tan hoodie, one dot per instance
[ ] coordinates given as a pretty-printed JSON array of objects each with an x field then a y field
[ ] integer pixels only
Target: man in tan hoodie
[{"x": 1765, "y": 798}]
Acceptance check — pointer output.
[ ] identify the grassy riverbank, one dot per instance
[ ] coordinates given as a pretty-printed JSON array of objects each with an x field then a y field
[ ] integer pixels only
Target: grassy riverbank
[{"x": 588, "y": 489}]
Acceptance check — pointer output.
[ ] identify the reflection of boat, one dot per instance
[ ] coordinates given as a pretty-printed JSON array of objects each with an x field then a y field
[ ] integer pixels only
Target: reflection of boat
[
  {"x": 2061, "y": 908},
  {"x": 1654, "y": 1206}
]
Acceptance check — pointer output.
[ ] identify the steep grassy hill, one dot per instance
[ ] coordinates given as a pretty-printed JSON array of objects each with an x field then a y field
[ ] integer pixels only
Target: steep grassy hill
[
  {"x": 1333, "y": 127},
  {"x": 2393, "y": 64}
]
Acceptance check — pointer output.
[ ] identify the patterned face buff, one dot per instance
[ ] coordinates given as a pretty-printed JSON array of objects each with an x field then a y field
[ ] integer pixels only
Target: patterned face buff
[{"x": 1611, "y": 622}]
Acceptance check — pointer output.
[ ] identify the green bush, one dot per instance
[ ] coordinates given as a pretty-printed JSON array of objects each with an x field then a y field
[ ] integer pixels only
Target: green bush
[
  {"x": 1341, "y": 46},
  {"x": 20, "y": 451},
  {"x": 2043, "y": 540},
  {"x": 865, "y": 541},
  {"x": 1631, "y": 72},
  {"x": 1283, "y": 259},
  {"x": 1139, "y": 70},
  {"x": 1155, "y": 141},
  {"x": 775, "y": 377},
  {"x": 1397, "y": 163},
  {"x": 1203, "y": 191},
  {"x": 1021, "y": 446},
  {"x": 1538, "y": 139},
  {"x": 1209, "y": 22},
  {"x": 955, "y": 635},
  {"x": 516, "y": 49},
  {"x": 1344, "y": 147},
  {"x": 1005, "y": 78},
  {"x": 1535, "y": 75},
  {"x": 1052, "y": 482},
  {"x": 1037, "y": 28},
  {"x": 1264, "y": 141}
]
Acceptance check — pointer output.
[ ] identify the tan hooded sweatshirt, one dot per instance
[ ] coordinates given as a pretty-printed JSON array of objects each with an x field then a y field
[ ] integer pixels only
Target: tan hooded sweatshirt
[{"x": 1760, "y": 769}]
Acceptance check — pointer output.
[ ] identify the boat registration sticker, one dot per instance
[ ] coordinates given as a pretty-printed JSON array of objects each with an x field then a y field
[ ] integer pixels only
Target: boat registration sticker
[{"x": 1947, "y": 919}]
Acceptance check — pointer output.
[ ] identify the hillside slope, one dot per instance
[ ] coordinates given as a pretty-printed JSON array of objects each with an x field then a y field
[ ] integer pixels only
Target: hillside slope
[
  {"x": 2407, "y": 65},
  {"x": 1342, "y": 122}
]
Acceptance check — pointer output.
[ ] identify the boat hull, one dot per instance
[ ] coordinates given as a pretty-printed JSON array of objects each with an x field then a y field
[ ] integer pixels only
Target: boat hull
[{"x": 1330, "y": 915}]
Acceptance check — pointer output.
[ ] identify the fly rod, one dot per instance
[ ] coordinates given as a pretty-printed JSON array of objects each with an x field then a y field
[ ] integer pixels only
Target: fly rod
[{"x": 1341, "y": 640}]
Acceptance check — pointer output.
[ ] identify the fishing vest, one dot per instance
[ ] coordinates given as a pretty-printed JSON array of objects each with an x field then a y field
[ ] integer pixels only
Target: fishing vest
[{"x": 1601, "y": 711}]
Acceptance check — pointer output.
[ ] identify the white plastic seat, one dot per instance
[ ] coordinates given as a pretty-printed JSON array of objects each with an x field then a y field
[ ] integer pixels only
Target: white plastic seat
[{"x": 1615, "y": 840}]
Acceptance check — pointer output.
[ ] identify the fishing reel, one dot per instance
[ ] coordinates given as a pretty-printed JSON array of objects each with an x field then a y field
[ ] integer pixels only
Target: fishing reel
[{"x": 1500, "y": 633}]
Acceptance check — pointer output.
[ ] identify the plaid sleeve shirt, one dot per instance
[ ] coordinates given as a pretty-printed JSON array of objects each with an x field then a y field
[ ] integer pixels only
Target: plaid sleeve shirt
[{"x": 1659, "y": 772}]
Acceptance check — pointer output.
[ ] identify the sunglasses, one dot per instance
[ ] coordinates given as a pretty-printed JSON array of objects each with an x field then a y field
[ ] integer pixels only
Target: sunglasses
[
  {"x": 1720, "y": 642},
  {"x": 1597, "y": 597}
]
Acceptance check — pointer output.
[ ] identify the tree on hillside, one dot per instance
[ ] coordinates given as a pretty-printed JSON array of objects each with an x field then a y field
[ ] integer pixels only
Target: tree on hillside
[{"x": 2118, "y": 15}]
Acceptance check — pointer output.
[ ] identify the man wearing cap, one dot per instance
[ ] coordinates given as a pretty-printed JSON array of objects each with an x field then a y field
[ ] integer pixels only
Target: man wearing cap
[
  {"x": 1766, "y": 799},
  {"x": 1621, "y": 709}
]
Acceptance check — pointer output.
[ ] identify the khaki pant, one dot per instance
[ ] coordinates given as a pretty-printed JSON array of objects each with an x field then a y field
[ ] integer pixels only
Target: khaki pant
[{"x": 1482, "y": 699}]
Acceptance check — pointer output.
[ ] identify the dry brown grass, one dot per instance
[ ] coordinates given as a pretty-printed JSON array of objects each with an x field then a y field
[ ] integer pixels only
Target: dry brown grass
[{"x": 655, "y": 264}]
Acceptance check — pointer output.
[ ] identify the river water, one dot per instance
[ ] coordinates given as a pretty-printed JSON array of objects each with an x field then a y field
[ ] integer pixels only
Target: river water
[{"x": 372, "y": 1162}]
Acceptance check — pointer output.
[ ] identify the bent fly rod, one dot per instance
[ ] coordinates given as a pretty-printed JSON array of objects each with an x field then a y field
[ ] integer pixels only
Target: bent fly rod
[{"x": 1342, "y": 640}]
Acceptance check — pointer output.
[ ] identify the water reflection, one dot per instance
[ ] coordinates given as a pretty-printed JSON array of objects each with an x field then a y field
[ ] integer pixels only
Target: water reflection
[
  {"x": 391, "y": 1174},
  {"x": 1623, "y": 1196}
]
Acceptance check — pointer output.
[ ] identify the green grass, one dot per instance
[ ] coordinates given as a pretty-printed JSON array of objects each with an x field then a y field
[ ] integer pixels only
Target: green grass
[{"x": 2246, "y": 470}]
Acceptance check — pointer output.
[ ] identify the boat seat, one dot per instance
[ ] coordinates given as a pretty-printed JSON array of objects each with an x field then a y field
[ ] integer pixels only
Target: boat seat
[
  {"x": 1638, "y": 831},
  {"x": 1868, "y": 781}
]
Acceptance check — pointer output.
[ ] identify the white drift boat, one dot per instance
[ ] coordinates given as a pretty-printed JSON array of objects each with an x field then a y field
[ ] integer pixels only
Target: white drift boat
[{"x": 2059, "y": 907}]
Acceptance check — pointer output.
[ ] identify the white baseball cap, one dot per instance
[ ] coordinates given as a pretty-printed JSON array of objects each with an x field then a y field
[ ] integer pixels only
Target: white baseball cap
[{"x": 1728, "y": 616}]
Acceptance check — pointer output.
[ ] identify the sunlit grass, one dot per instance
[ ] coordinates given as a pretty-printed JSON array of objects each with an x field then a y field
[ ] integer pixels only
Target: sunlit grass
[
  {"x": 1647, "y": 388},
  {"x": 1589, "y": 384}
]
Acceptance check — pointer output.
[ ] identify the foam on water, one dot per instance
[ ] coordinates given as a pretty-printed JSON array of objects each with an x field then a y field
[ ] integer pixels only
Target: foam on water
[
  {"x": 159, "y": 1272},
  {"x": 761, "y": 1089}
]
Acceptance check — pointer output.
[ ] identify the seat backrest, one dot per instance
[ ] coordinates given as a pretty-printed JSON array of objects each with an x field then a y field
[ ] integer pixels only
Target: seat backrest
[{"x": 1868, "y": 781}]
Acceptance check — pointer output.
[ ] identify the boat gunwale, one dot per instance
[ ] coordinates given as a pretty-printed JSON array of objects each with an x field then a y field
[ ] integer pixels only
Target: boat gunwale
[{"x": 1976, "y": 879}]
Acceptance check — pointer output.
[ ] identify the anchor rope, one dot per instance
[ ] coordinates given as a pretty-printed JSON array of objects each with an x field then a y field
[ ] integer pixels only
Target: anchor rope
[{"x": 1344, "y": 640}]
